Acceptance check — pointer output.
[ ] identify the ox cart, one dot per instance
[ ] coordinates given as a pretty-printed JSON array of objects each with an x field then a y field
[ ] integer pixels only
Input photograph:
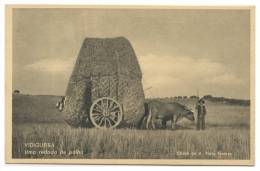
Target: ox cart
[{"x": 105, "y": 88}]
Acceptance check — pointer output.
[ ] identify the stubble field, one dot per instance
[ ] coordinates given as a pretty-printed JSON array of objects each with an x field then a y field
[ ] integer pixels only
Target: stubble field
[{"x": 39, "y": 132}]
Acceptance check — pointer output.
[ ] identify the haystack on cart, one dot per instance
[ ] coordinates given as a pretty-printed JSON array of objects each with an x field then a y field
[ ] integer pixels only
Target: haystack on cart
[{"x": 105, "y": 88}]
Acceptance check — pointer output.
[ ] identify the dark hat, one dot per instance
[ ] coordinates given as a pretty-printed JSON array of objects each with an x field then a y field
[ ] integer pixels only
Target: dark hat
[{"x": 201, "y": 100}]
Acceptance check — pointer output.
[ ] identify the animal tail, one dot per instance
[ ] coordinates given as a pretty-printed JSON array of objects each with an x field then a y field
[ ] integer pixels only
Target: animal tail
[{"x": 149, "y": 118}]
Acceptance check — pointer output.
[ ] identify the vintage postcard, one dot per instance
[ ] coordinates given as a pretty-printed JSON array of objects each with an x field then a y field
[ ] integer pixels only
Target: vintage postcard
[{"x": 160, "y": 85}]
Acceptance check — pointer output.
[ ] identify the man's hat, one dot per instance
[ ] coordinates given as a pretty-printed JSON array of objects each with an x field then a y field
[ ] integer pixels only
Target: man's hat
[{"x": 201, "y": 100}]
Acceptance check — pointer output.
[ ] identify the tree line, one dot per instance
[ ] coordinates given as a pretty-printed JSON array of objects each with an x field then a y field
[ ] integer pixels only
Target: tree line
[{"x": 230, "y": 101}]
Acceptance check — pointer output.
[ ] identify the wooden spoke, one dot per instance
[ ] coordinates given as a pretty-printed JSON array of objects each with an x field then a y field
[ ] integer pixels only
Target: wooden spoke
[
  {"x": 97, "y": 118},
  {"x": 99, "y": 107},
  {"x": 104, "y": 123},
  {"x": 108, "y": 120},
  {"x": 97, "y": 114},
  {"x": 101, "y": 121},
  {"x": 114, "y": 108},
  {"x": 112, "y": 120},
  {"x": 97, "y": 110},
  {"x": 111, "y": 105}
]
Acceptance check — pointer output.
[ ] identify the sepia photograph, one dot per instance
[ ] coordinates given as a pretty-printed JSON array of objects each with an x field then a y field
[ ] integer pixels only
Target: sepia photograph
[{"x": 163, "y": 85}]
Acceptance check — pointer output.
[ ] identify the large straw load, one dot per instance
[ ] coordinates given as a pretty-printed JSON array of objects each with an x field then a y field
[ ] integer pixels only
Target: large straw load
[{"x": 105, "y": 67}]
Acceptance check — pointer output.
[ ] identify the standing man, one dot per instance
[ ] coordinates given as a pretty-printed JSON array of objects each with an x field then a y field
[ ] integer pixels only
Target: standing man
[{"x": 201, "y": 112}]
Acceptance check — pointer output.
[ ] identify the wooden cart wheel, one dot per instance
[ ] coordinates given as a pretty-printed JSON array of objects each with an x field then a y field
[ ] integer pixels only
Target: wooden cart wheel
[{"x": 106, "y": 112}]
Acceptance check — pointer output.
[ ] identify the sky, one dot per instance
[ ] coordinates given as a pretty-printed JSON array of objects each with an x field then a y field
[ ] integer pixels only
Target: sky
[{"x": 179, "y": 51}]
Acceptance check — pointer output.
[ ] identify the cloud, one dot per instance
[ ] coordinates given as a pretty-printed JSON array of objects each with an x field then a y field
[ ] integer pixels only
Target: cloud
[
  {"x": 226, "y": 79},
  {"x": 170, "y": 76},
  {"x": 52, "y": 66}
]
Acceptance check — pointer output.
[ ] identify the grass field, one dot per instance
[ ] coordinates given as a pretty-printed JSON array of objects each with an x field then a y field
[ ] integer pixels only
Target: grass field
[{"x": 37, "y": 123}]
